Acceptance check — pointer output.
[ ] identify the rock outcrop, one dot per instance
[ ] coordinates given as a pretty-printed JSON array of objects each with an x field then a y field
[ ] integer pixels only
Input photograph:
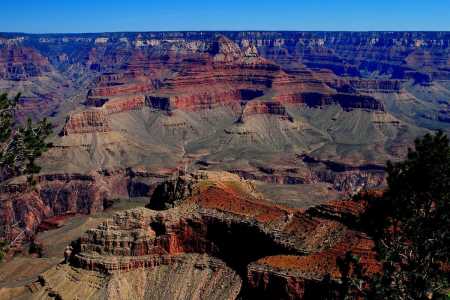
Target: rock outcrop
[
  {"x": 346, "y": 101},
  {"x": 223, "y": 227},
  {"x": 20, "y": 63},
  {"x": 86, "y": 122},
  {"x": 265, "y": 108},
  {"x": 24, "y": 208},
  {"x": 186, "y": 276}
]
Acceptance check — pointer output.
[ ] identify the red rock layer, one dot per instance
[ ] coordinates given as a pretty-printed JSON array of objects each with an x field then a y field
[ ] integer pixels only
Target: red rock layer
[
  {"x": 205, "y": 79},
  {"x": 87, "y": 121},
  {"x": 118, "y": 90},
  {"x": 22, "y": 209},
  {"x": 299, "y": 277},
  {"x": 210, "y": 75},
  {"x": 346, "y": 101},
  {"x": 125, "y": 104},
  {"x": 281, "y": 251},
  {"x": 200, "y": 100},
  {"x": 54, "y": 222},
  {"x": 20, "y": 63},
  {"x": 97, "y": 120},
  {"x": 228, "y": 201},
  {"x": 265, "y": 108}
]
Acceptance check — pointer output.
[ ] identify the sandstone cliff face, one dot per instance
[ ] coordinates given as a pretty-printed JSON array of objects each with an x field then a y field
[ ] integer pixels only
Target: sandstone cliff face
[
  {"x": 117, "y": 90},
  {"x": 265, "y": 108},
  {"x": 269, "y": 251},
  {"x": 187, "y": 276},
  {"x": 125, "y": 104},
  {"x": 346, "y": 101},
  {"x": 21, "y": 63},
  {"x": 86, "y": 122},
  {"x": 193, "y": 74},
  {"x": 197, "y": 101},
  {"x": 401, "y": 55},
  {"x": 26, "y": 209},
  {"x": 218, "y": 75},
  {"x": 23, "y": 208}
]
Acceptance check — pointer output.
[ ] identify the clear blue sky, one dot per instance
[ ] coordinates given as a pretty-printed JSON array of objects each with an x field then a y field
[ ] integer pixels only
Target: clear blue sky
[{"x": 39, "y": 16}]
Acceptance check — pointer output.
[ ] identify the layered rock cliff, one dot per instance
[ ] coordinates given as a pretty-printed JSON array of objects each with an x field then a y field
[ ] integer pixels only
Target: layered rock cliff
[
  {"x": 23, "y": 208},
  {"x": 221, "y": 226},
  {"x": 21, "y": 63}
]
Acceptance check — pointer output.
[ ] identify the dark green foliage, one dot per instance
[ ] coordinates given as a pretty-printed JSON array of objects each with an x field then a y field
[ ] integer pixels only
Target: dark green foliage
[
  {"x": 3, "y": 246},
  {"x": 352, "y": 277},
  {"x": 415, "y": 243},
  {"x": 20, "y": 145},
  {"x": 6, "y": 116},
  {"x": 410, "y": 225}
]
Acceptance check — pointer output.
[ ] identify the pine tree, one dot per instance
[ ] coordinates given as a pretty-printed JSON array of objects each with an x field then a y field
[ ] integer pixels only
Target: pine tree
[
  {"x": 410, "y": 224},
  {"x": 20, "y": 146},
  {"x": 415, "y": 243}
]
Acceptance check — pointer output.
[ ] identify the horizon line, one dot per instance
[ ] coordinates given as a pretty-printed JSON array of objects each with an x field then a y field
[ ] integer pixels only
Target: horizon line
[{"x": 226, "y": 30}]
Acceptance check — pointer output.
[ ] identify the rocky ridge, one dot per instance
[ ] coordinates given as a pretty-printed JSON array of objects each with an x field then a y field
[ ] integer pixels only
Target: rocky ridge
[{"x": 271, "y": 250}]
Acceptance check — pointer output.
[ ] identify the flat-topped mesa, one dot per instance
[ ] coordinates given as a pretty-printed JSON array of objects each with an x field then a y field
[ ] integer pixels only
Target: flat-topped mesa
[
  {"x": 227, "y": 78},
  {"x": 350, "y": 101},
  {"x": 216, "y": 74},
  {"x": 265, "y": 108},
  {"x": 127, "y": 103},
  {"x": 20, "y": 63},
  {"x": 355, "y": 84},
  {"x": 375, "y": 85},
  {"x": 203, "y": 82},
  {"x": 346, "y": 101},
  {"x": 97, "y": 119},
  {"x": 88, "y": 121}
]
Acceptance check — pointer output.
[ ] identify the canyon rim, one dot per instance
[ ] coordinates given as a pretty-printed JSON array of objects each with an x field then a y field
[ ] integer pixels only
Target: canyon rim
[{"x": 209, "y": 164}]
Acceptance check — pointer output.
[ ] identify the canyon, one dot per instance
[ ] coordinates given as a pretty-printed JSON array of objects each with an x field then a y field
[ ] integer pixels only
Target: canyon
[
  {"x": 242, "y": 149},
  {"x": 220, "y": 235}
]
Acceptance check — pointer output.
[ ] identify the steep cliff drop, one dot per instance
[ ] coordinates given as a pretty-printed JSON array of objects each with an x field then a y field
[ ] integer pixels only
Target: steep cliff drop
[{"x": 215, "y": 237}]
